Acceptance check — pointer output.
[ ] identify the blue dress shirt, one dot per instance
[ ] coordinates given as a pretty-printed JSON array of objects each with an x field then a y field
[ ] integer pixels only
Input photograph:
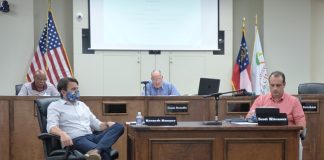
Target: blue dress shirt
[{"x": 167, "y": 89}]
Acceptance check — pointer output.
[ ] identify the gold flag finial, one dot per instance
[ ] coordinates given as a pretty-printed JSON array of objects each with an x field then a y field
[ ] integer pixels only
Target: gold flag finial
[
  {"x": 243, "y": 22},
  {"x": 49, "y": 4}
]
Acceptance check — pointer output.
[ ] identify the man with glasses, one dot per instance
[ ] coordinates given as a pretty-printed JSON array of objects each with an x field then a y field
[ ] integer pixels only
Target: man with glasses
[
  {"x": 39, "y": 87},
  {"x": 158, "y": 87}
]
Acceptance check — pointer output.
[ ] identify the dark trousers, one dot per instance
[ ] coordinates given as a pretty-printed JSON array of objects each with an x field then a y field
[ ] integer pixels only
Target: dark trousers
[{"x": 102, "y": 141}]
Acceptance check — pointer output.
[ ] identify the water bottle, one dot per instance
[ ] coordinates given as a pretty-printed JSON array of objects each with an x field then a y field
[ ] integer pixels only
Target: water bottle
[{"x": 139, "y": 118}]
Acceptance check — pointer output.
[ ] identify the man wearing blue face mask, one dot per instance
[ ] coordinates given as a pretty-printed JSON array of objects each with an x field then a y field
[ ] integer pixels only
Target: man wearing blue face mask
[{"x": 73, "y": 121}]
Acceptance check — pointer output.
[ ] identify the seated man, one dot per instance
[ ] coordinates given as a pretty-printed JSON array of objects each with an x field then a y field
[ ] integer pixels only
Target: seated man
[
  {"x": 277, "y": 98},
  {"x": 158, "y": 87},
  {"x": 39, "y": 87},
  {"x": 73, "y": 121}
]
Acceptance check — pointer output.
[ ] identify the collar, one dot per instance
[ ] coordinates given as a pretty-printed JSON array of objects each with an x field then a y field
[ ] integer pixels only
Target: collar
[
  {"x": 34, "y": 87},
  {"x": 162, "y": 86},
  {"x": 65, "y": 102},
  {"x": 278, "y": 101}
]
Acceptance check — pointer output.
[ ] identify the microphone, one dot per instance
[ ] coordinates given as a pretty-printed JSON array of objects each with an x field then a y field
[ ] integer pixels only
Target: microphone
[
  {"x": 145, "y": 82},
  {"x": 219, "y": 94},
  {"x": 244, "y": 92}
]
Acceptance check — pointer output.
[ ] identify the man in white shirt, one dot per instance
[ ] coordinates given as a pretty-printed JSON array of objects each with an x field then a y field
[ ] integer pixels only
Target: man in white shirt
[
  {"x": 73, "y": 121},
  {"x": 39, "y": 87}
]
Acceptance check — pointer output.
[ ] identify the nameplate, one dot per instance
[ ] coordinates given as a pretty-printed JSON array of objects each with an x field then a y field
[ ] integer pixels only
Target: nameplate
[
  {"x": 176, "y": 107},
  {"x": 160, "y": 121},
  {"x": 276, "y": 120},
  {"x": 310, "y": 106}
]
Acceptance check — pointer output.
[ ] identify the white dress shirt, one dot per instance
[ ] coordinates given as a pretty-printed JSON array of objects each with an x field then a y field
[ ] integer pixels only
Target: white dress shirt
[{"x": 74, "y": 119}]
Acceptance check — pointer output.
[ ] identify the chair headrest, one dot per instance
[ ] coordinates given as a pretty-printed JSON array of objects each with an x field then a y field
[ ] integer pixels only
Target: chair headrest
[
  {"x": 311, "y": 88},
  {"x": 18, "y": 88},
  {"x": 43, "y": 103}
]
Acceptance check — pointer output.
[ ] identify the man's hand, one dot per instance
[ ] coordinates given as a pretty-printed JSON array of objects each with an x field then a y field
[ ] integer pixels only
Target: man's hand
[
  {"x": 66, "y": 139},
  {"x": 105, "y": 125},
  {"x": 109, "y": 124}
]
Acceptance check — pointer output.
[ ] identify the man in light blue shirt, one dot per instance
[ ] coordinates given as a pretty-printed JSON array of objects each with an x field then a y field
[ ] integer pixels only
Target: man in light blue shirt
[{"x": 158, "y": 87}]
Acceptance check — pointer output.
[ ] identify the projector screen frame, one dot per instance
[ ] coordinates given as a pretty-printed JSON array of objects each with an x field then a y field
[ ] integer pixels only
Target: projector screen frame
[{"x": 220, "y": 51}]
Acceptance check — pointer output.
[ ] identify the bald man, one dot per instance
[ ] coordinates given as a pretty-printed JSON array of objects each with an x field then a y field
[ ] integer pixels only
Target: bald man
[
  {"x": 158, "y": 87},
  {"x": 39, "y": 87}
]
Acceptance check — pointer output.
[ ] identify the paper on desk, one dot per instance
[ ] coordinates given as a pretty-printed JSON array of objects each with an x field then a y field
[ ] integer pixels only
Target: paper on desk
[{"x": 244, "y": 123}]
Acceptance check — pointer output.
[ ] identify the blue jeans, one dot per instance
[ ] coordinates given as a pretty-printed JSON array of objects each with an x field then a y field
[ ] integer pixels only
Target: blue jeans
[{"x": 102, "y": 141}]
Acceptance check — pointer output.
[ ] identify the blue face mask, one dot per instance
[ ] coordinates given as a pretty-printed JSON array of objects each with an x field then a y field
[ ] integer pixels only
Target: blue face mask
[{"x": 73, "y": 96}]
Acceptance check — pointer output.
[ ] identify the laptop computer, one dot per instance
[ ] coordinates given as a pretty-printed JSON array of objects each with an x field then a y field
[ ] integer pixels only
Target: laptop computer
[
  {"x": 266, "y": 111},
  {"x": 208, "y": 86},
  {"x": 270, "y": 116}
]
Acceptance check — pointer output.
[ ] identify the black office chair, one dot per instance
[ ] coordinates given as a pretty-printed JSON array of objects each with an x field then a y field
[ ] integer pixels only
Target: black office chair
[
  {"x": 51, "y": 143},
  {"x": 311, "y": 88},
  {"x": 18, "y": 88}
]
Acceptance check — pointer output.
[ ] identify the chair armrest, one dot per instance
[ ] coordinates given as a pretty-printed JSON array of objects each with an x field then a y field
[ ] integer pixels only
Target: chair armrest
[
  {"x": 44, "y": 136},
  {"x": 302, "y": 135}
]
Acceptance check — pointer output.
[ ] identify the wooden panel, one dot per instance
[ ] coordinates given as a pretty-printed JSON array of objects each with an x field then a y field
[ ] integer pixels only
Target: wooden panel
[
  {"x": 265, "y": 149},
  {"x": 25, "y": 132},
  {"x": 193, "y": 140},
  {"x": 198, "y": 110},
  {"x": 225, "y": 101},
  {"x": 317, "y": 130},
  {"x": 4, "y": 131},
  {"x": 132, "y": 107},
  {"x": 186, "y": 149}
]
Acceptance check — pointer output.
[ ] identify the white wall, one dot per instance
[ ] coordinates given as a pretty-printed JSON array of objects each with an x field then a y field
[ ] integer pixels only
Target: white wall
[
  {"x": 317, "y": 41},
  {"x": 287, "y": 39},
  {"x": 16, "y": 43}
]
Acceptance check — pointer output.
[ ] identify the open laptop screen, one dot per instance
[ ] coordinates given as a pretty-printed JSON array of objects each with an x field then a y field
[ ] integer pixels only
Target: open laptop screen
[{"x": 208, "y": 86}]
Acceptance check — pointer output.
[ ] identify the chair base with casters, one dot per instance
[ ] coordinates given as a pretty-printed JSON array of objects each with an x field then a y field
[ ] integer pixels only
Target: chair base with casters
[{"x": 51, "y": 142}]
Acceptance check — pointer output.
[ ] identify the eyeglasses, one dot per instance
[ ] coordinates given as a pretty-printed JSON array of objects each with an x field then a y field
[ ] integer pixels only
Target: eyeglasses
[{"x": 156, "y": 79}]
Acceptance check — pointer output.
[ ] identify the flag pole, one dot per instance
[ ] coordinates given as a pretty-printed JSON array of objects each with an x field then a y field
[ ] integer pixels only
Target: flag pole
[{"x": 46, "y": 44}]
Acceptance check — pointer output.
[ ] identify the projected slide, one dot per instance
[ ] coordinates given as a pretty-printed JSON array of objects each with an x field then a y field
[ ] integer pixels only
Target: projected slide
[{"x": 154, "y": 24}]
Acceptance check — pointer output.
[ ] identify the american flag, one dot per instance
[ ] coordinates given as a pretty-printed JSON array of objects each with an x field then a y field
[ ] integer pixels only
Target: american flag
[
  {"x": 241, "y": 72},
  {"x": 50, "y": 55}
]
